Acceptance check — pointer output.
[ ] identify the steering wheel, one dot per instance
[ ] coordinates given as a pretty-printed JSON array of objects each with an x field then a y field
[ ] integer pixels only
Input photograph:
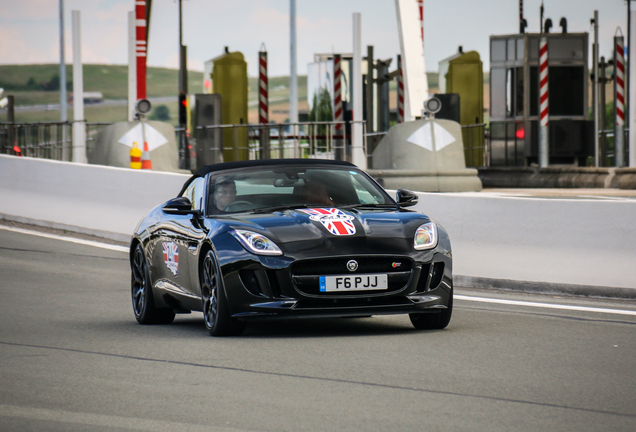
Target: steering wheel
[{"x": 239, "y": 206}]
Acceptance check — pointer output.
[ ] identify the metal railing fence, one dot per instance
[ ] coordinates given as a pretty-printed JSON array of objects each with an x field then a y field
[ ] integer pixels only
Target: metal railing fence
[
  {"x": 46, "y": 140},
  {"x": 325, "y": 140},
  {"x": 607, "y": 149},
  {"x": 212, "y": 144}
]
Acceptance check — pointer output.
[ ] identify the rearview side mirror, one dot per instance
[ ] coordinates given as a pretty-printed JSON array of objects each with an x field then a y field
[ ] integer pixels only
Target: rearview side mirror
[
  {"x": 180, "y": 205},
  {"x": 406, "y": 198}
]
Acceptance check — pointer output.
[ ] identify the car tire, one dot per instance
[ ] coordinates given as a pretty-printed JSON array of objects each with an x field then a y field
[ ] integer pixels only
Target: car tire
[
  {"x": 143, "y": 301},
  {"x": 433, "y": 321},
  {"x": 216, "y": 312}
]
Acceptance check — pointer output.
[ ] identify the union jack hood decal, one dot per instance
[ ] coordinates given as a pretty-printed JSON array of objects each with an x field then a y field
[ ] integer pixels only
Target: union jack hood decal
[{"x": 335, "y": 221}]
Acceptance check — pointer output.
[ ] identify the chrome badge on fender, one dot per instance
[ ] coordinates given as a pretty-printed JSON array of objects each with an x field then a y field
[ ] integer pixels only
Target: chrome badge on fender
[{"x": 171, "y": 256}]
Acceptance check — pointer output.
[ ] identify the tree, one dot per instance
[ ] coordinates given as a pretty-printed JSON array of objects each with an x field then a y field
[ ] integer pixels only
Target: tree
[{"x": 161, "y": 113}]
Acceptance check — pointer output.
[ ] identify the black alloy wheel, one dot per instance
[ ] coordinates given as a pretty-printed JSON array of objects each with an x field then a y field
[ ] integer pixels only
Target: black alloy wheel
[
  {"x": 216, "y": 313},
  {"x": 433, "y": 321},
  {"x": 142, "y": 300}
]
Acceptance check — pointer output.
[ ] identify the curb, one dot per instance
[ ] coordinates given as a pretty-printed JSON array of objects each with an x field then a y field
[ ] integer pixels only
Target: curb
[
  {"x": 109, "y": 235},
  {"x": 544, "y": 287}
]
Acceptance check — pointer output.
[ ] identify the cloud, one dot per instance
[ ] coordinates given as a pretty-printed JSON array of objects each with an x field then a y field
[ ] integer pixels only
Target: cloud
[
  {"x": 28, "y": 10},
  {"x": 14, "y": 49}
]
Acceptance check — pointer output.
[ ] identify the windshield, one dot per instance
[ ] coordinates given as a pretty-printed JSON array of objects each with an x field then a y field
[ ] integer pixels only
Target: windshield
[{"x": 281, "y": 187}]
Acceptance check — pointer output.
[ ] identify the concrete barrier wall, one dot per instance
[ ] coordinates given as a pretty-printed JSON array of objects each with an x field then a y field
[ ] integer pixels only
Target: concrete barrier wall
[
  {"x": 558, "y": 241},
  {"x": 553, "y": 241},
  {"x": 92, "y": 199}
]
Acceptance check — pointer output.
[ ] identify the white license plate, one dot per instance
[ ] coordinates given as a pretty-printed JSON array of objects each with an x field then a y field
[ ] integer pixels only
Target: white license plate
[{"x": 359, "y": 282}]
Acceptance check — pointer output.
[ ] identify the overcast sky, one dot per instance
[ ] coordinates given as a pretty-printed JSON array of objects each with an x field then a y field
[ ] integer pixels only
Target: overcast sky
[{"x": 29, "y": 29}]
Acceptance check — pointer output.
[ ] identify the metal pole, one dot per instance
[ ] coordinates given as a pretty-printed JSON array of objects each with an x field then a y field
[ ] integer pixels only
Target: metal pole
[
  {"x": 140, "y": 35},
  {"x": 632, "y": 94},
  {"x": 293, "y": 78},
  {"x": 184, "y": 147},
  {"x": 602, "y": 139},
  {"x": 79, "y": 126},
  {"x": 263, "y": 103},
  {"x": 595, "y": 90},
  {"x": 357, "y": 145},
  {"x": 132, "y": 66},
  {"x": 400, "y": 91},
  {"x": 544, "y": 153},
  {"x": 63, "y": 98},
  {"x": 369, "y": 90},
  {"x": 619, "y": 101}
]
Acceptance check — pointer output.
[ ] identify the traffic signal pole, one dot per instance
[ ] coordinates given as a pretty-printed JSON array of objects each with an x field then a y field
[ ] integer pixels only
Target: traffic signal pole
[{"x": 184, "y": 153}]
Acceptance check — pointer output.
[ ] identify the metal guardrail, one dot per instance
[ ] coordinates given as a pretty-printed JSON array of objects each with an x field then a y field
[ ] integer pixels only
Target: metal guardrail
[
  {"x": 50, "y": 140},
  {"x": 607, "y": 151},
  {"x": 211, "y": 144},
  {"x": 325, "y": 140}
]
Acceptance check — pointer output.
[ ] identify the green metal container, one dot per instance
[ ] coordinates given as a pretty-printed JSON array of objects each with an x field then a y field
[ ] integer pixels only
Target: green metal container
[
  {"x": 465, "y": 76},
  {"x": 229, "y": 79}
]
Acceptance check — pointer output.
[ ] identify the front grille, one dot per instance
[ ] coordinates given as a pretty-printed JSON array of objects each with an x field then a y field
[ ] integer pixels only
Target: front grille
[
  {"x": 338, "y": 266},
  {"x": 306, "y": 274}
]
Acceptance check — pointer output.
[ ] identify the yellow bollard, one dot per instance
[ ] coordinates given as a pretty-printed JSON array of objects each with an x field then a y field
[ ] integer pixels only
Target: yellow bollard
[{"x": 135, "y": 157}]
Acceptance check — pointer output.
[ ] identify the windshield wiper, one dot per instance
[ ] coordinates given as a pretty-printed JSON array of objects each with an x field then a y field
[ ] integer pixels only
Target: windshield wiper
[{"x": 279, "y": 208}]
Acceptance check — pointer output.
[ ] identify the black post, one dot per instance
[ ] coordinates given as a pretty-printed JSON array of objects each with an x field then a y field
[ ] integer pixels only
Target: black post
[
  {"x": 11, "y": 119},
  {"x": 369, "y": 88},
  {"x": 602, "y": 66},
  {"x": 184, "y": 150}
]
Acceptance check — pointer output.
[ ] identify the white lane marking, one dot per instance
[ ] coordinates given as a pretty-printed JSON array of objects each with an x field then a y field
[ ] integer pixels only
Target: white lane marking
[
  {"x": 67, "y": 239},
  {"x": 546, "y": 305},
  {"x": 105, "y": 420}
]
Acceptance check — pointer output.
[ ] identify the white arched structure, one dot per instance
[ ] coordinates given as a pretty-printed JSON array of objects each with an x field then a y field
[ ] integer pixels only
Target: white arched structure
[{"x": 412, "y": 50}]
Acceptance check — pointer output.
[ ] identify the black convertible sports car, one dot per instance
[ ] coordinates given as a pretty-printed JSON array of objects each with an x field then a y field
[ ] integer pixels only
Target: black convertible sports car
[{"x": 289, "y": 238}]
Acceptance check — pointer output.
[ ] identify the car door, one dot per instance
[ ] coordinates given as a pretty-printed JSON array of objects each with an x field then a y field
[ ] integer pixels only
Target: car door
[
  {"x": 170, "y": 253},
  {"x": 196, "y": 194}
]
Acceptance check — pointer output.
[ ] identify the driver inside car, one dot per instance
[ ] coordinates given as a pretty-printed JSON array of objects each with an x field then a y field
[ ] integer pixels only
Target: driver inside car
[
  {"x": 315, "y": 192},
  {"x": 224, "y": 193}
]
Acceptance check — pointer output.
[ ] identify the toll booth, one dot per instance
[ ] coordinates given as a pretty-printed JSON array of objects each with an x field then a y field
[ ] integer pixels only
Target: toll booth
[
  {"x": 463, "y": 74},
  {"x": 229, "y": 80},
  {"x": 514, "y": 99}
]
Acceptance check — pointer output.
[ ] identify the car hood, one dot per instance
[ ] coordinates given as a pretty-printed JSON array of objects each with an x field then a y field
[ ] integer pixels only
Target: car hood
[{"x": 334, "y": 231}]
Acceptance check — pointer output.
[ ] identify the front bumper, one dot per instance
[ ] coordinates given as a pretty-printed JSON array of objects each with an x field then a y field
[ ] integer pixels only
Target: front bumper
[{"x": 270, "y": 289}]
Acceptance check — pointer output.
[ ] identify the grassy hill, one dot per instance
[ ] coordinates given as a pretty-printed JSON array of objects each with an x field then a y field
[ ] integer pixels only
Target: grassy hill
[
  {"x": 38, "y": 84},
  {"x": 28, "y": 82}
]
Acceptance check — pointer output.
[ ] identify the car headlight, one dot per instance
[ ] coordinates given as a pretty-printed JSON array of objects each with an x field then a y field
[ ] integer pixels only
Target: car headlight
[
  {"x": 256, "y": 243},
  {"x": 425, "y": 236}
]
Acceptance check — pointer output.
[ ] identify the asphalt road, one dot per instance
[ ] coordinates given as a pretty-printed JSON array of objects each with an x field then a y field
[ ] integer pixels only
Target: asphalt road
[{"x": 72, "y": 358}]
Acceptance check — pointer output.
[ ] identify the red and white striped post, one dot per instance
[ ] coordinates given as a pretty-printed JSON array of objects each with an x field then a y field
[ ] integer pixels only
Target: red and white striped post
[
  {"x": 141, "y": 45},
  {"x": 337, "y": 106},
  {"x": 619, "y": 101},
  {"x": 337, "y": 92},
  {"x": 263, "y": 95},
  {"x": 420, "y": 6},
  {"x": 543, "y": 104},
  {"x": 400, "y": 91},
  {"x": 263, "y": 102}
]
